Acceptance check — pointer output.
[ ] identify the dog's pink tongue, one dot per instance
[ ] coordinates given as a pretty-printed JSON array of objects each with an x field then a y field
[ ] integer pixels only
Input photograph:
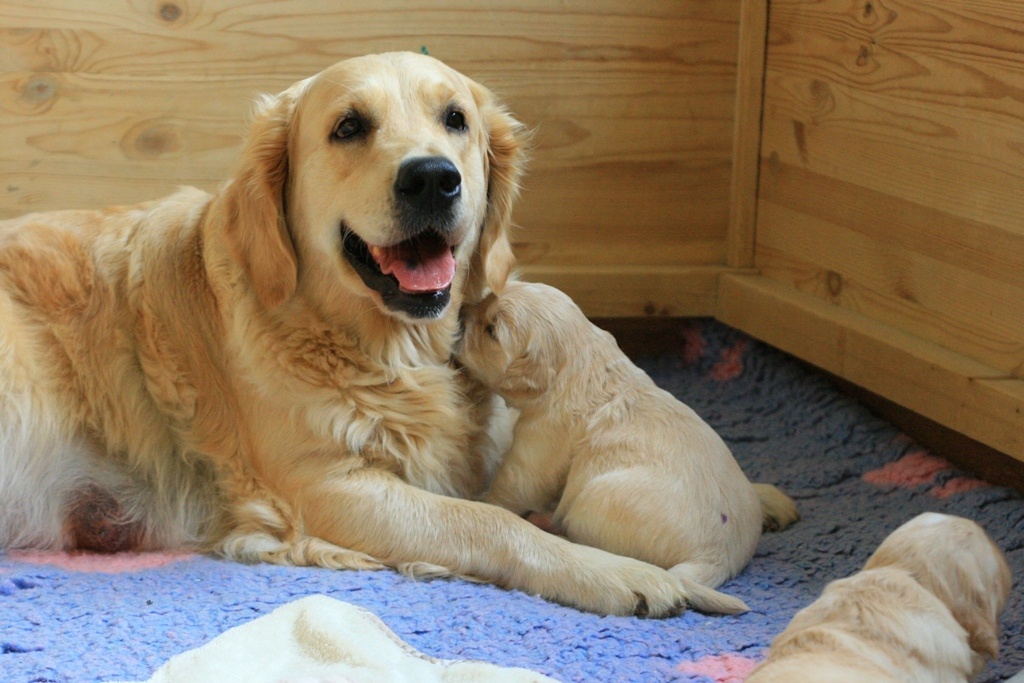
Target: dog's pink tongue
[{"x": 422, "y": 267}]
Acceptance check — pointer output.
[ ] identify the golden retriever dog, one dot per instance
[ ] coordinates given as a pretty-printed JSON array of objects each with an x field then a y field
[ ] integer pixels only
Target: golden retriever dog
[
  {"x": 265, "y": 372},
  {"x": 925, "y": 609},
  {"x": 630, "y": 469}
]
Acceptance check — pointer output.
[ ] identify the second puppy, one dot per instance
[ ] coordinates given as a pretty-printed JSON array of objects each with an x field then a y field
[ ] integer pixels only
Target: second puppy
[
  {"x": 925, "y": 609},
  {"x": 632, "y": 470}
]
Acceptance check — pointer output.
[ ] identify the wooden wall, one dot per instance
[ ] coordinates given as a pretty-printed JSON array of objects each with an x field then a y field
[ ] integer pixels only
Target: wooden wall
[
  {"x": 890, "y": 213},
  {"x": 866, "y": 157},
  {"x": 632, "y": 101}
]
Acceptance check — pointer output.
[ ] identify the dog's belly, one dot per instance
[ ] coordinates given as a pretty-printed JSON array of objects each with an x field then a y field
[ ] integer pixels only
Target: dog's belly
[{"x": 40, "y": 468}]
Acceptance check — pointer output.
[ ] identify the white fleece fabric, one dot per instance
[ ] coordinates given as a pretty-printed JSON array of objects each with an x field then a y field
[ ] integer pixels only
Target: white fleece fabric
[{"x": 321, "y": 640}]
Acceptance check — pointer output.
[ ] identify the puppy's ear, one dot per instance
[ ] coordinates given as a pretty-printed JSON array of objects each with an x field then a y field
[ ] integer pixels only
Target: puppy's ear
[
  {"x": 525, "y": 379},
  {"x": 984, "y": 592},
  {"x": 506, "y": 158},
  {"x": 982, "y": 634},
  {"x": 255, "y": 227}
]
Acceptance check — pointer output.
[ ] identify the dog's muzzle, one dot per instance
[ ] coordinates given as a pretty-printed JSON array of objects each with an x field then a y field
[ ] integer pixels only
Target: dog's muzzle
[{"x": 414, "y": 276}]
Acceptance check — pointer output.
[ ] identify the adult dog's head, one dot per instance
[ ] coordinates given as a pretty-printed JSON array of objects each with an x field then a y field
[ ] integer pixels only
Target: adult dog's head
[{"x": 383, "y": 183}]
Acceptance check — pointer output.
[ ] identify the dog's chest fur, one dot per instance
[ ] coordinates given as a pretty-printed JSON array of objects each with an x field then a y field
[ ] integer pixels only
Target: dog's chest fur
[{"x": 413, "y": 418}]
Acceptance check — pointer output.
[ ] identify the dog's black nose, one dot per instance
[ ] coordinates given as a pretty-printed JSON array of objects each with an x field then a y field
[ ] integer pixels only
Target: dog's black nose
[{"x": 428, "y": 186}]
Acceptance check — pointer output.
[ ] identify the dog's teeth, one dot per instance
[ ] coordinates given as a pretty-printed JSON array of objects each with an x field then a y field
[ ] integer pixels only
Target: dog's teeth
[{"x": 376, "y": 251}]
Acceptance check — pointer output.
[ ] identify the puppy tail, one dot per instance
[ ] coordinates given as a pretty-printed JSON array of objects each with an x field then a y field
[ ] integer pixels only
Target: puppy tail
[
  {"x": 710, "y": 601},
  {"x": 703, "y": 598},
  {"x": 778, "y": 511}
]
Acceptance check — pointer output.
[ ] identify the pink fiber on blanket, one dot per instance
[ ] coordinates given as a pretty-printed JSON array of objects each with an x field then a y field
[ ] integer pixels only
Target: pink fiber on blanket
[
  {"x": 694, "y": 345},
  {"x": 913, "y": 469},
  {"x": 727, "y": 668},
  {"x": 115, "y": 563},
  {"x": 957, "y": 485},
  {"x": 731, "y": 365}
]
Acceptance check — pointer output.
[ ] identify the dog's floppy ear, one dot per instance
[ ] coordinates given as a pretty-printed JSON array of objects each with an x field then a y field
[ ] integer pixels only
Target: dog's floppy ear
[
  {"x": 525, "y": 379},
  {"x": 982, "y": 633},
  {"x": 493, "y": 261},
  {"x": 256, "y": 228},
  {"x": 982, "y": 596}
]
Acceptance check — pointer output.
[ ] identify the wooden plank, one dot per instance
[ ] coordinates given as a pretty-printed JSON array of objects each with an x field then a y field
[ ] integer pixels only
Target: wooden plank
[
  {"x": 317, "y": 20},
  {"x": 45, "y": 108},
  {"x": 746, "y": 147},
  {"x": 919, "y": 100},
  {"x": 970, "y": 313},
  {"x": 549, "y": 247},
  {"x": 620, "y": 291},
  {"x": 631, "y": 104},
  {"x": 891, "y": 171},
  {"x": 980, "y": 248},
  {"x": 954, "y": 390}
]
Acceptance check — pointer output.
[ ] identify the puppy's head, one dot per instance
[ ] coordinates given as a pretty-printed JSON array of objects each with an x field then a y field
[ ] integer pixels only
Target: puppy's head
[
  {"x": 388, "y": 179},
  {"x": 955, "y": 560},
  {"x": 516, "y": 342}
]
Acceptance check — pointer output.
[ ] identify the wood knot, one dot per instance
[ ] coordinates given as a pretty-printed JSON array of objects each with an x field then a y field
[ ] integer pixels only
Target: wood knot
[
  {"x": 38, "y": 90},
  {"x": 864, "y": 55},
  {"x": 149, "y": 140},
  {"x": 834, "y": 282},
  {"x": 822, "y": 99},
  {"x": 170, "y": 12},
  {"x": 651, "y": 309},
  {"x": 820, "y": 90}
]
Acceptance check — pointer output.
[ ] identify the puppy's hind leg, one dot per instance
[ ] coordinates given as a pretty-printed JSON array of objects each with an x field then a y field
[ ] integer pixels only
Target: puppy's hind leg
[
  {"x": 778, "y": 511},
  {"x": 700, "y": 578},
  {"x": 703, "y": 598},
  {"x": 604, "y": 513}
]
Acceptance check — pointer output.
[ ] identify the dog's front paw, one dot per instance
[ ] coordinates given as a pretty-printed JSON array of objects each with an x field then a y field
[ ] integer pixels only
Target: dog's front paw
[{"x": 610, "y": 584}]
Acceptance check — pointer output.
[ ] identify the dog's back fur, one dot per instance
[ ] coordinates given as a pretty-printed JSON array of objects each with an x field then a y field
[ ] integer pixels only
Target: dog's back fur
[{"x": 925, "y": 609}]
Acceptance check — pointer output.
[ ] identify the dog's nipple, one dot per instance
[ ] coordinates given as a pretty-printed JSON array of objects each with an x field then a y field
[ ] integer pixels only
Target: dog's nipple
[{"x": 95, "y": 521}]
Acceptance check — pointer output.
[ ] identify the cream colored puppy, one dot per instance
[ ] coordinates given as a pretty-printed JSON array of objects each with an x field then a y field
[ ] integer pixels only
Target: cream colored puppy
[
  {"x": 925, "y": 609},
  {"x": 633, "y": 470}
]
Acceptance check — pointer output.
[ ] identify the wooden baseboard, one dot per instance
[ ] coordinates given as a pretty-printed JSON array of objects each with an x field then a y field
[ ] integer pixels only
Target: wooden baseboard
[
  {"x": 639, "y": 291},
  {"x": 646, "y": 336},
  {"x": 961, "y": 409},
  {"x": 639, "y": 336},
  {"x": 968, "y": 454},
  {"x": 947, "y": 388}
]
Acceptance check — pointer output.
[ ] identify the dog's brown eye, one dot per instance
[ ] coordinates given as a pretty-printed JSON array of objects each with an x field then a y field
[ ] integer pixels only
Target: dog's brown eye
[
  {"x": 490, "y": 332},
  {"x": 455, "y": 120},
  {"x": 348, "y": 128}
]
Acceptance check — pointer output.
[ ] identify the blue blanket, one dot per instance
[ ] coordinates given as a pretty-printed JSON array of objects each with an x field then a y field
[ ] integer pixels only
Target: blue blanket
[{"x": 855, "y": 477}]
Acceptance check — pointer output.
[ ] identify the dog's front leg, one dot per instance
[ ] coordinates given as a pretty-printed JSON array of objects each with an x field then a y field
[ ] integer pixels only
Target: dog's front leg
[
  {"x": 533, "y": 473},
  {"x": 375, "y": 512}
]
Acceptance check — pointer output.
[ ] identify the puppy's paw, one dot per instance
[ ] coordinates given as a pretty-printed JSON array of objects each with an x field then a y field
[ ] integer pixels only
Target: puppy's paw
[
  {"x": 545, "y": 522},
  {"x": 778, "y": 511}
]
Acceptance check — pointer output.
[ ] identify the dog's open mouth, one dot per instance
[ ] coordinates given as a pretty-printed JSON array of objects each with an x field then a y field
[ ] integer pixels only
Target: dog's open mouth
[{"x": 413, "y": 277}]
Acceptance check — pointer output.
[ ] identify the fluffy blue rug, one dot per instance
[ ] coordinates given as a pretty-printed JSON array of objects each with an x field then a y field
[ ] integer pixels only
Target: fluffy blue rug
[{"x": 856, "y": 478}]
